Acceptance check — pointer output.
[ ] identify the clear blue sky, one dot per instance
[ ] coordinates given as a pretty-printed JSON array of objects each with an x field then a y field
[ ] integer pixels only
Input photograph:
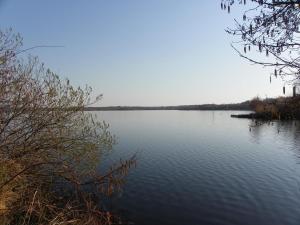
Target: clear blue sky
[{"x": 141, "y": 52}]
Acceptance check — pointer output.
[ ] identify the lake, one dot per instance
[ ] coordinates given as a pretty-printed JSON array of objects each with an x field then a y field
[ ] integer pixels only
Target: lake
[{"x": 204, "y": 167}]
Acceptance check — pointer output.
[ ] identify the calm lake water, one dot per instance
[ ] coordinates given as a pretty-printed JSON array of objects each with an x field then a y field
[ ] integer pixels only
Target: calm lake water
[{"x": 203, "y": 167}]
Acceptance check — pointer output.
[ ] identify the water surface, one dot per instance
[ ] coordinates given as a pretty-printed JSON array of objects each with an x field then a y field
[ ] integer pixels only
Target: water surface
[{"x": 203, "y": 167}]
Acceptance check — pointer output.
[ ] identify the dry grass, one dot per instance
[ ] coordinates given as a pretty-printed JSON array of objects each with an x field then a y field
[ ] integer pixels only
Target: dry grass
[
  {"x": 32, "y": 199},
  {"x": 280, "y": 108},
  {"x": 9, "y": 193}
]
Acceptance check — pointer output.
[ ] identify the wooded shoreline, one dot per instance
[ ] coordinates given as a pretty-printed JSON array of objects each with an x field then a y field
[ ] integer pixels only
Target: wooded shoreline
[{"x": 244, "y": 106}]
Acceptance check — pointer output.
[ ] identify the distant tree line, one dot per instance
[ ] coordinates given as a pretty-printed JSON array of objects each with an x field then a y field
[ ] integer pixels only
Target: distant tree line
[{"x": 236, "y": 106}]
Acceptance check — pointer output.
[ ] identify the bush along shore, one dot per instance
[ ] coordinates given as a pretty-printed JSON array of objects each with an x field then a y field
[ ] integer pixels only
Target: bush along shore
[
  {"x": 50, "y": 149},
  {"x": 282, "y": 108}
]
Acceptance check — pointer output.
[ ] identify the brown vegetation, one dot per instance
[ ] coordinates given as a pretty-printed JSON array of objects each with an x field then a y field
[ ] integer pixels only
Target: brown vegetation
[
  {"x": 284, "y": 108},
  {"x": 49, "y": 147}
]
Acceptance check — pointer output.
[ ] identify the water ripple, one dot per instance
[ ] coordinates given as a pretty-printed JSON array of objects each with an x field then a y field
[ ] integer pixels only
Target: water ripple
[{"x": 193, "y": 170}]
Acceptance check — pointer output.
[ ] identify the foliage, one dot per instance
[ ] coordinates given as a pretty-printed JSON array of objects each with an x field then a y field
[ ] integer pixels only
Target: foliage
[
  {"x": 270, "y": 27},
  {"x": 280, "y": 108},
  {"x": 49, "y": 143}
]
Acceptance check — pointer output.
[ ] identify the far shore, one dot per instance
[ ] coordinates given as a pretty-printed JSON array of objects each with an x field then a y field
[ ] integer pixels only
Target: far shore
[{"x": 244, "y": 106}]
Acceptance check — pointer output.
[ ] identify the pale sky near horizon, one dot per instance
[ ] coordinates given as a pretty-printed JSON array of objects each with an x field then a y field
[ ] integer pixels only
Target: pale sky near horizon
[{"x": 141, "y": 52}]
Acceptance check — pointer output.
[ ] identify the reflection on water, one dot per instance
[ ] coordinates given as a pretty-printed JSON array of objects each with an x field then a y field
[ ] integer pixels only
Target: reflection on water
[
  {"x": 288, "y": 132},
  {"x": 203, "y": 167}
]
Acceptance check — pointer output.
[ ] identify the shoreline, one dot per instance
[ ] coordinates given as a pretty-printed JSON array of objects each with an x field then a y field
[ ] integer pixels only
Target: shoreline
[
  {"x": 267, "y": 116},
  {"x": 244, "y": 106}
]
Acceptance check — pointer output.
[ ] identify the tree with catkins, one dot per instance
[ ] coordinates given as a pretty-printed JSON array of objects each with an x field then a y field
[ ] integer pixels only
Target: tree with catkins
[{"x": 271, "y": 27}]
